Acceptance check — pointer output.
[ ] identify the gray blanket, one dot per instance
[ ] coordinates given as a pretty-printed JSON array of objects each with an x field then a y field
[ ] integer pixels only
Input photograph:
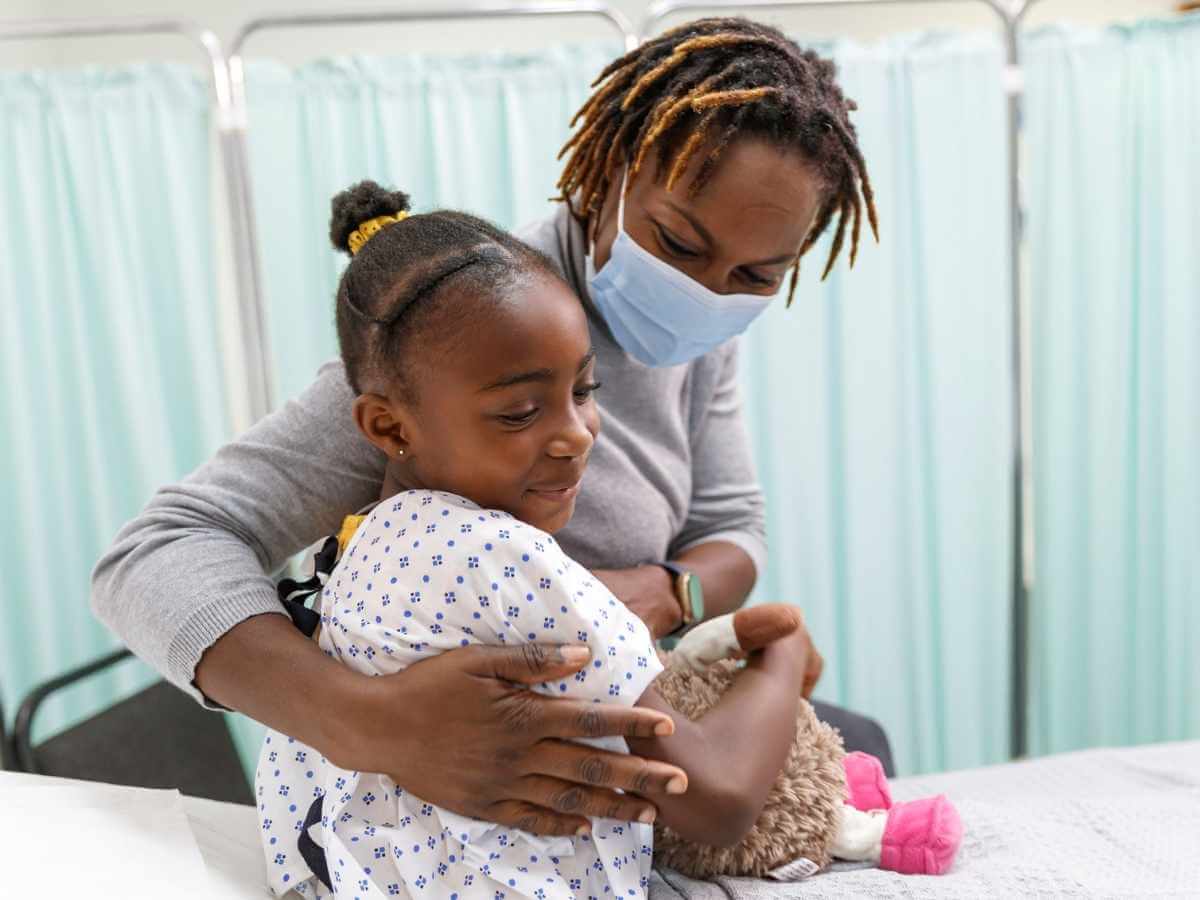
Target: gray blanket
[{"x": 1100, "y": 823}]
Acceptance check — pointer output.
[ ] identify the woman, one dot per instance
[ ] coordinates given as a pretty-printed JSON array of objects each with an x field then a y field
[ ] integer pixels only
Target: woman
[{"x": 707, "y": 162}]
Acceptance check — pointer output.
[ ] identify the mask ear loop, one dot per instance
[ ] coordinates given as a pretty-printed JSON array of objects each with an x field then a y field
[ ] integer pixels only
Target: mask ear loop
[
  {"x": 621, "y": 202},
  {"x": 620, "y": 217}
]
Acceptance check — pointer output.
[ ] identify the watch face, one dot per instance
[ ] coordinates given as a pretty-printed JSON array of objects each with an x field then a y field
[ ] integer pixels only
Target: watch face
[{"x": 695, "y": 595}]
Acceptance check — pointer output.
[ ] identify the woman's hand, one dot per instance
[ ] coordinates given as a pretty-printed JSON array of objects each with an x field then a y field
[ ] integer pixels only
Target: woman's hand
[
  {"x": 460, "y": 731},
  {"x": 649, "y": 594},
  {"x": 725, "y": 570}
]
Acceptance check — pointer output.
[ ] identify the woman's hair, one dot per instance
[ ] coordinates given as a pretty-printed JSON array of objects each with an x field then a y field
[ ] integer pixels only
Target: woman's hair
[
  {"x": 410, "y": 284},
  {"x": 702, "y": 86}
]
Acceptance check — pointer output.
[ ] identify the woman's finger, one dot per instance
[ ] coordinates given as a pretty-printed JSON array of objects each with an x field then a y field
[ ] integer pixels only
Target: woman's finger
[
  {"x": 568, "y": 799},
  {"x": 525, "y": 663},
  {"x": 562, "y": 718},
  {"x": 603, "y": 769},
  {"x": 535, "y": 819}
]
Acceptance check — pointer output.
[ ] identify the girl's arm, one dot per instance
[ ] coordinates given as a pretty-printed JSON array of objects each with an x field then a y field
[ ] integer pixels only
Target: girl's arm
[{"x": 735, "y": 751}]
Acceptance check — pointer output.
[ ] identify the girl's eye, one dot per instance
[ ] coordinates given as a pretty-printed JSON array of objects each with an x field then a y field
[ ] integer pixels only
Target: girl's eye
[
  {"x": 672, "y": 245},
  {"x": 521, "y": 418},
  {"x": 584, "y": 392}
]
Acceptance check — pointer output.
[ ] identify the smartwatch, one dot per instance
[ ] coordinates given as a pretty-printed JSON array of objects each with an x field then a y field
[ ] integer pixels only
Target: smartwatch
[{"x": 689, "y": 594}]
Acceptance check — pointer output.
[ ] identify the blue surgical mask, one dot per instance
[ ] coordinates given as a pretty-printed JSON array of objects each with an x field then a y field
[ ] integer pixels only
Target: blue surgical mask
[{"x": 659, "y": 315}]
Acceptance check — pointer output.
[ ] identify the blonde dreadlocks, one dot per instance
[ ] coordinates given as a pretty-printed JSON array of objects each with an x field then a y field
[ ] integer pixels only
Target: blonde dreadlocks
[{"x": 701, "y": 86}]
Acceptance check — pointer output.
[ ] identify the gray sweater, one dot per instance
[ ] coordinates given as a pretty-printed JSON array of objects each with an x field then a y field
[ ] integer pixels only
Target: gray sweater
[{"x": 671, "y": 470}]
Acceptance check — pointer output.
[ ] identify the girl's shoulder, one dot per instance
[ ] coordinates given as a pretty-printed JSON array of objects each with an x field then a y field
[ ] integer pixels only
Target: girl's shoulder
[
  {"x": 431, "y": 520},
  {"x": 449, "y": 543}
]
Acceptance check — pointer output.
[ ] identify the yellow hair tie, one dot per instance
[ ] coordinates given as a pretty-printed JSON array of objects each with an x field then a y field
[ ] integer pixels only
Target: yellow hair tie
[{"x": 369, "y": 229}]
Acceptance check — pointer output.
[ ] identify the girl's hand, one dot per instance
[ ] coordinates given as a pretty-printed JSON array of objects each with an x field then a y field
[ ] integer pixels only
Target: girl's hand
[
  {"x": 797, "y": 652},
  {"x": 759, "y": 626},
  {"x": 460, "y": 731},
  {"x": 649, "y": 594},
  {"x": 754, "y": 629}
]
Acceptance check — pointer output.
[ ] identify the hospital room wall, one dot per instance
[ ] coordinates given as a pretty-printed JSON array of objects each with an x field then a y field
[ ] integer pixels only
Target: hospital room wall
[{"x": 224, "y": 17}]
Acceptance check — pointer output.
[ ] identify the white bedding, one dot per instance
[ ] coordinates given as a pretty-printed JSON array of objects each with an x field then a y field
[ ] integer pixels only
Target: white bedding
[{"x": 1099, "y": 823}]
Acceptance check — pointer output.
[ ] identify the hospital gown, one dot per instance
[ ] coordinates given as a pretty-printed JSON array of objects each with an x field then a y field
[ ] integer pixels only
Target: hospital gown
[{"x": 425, "y": 573}]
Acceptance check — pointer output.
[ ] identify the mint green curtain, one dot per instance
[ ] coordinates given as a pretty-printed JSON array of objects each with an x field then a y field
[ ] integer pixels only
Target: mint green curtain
[
  {"x": 108, "y": 344},
  {"x": 478, "y": 133},
  {"x": 1114, "y": 185},
  {"x": 880, "y": 411}
]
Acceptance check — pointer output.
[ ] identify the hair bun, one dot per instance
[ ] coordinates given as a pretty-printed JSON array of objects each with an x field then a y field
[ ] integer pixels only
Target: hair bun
[{"x": 356, "y": 205}]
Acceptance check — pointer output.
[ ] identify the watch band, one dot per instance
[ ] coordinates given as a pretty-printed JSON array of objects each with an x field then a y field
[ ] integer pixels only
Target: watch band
[{"x": 681, "y": 597}]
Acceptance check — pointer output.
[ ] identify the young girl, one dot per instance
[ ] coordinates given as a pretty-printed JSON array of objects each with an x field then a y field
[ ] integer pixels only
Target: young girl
[{"x": 472, "y": 364}]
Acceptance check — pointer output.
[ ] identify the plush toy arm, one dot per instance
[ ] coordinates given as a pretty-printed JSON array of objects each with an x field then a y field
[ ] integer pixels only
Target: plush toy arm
[{"x": 735, "y": 634}]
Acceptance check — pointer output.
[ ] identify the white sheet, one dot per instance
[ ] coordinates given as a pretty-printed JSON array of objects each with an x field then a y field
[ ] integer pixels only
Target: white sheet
[
  {"x": 99, "y": 842},
  {"x": 1097, "y": 824}
]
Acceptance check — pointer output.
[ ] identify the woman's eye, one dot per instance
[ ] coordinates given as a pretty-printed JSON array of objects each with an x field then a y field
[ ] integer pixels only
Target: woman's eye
[
  {"x": 756, "y": 280},
  {"x": 584, "y": 392},
  {"x": 519, "y": 418},
  {"x": 673, "y": 246}
]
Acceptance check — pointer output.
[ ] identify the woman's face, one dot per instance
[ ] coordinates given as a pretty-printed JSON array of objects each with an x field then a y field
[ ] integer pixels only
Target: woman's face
[
  {"x": 502, "y": 412},
  {"x": 739, "y": 235}
]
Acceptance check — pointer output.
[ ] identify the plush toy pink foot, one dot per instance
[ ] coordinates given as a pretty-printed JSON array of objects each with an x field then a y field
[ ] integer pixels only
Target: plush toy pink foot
[
  {"x": 866, "y": 785},
  {"x": 921, "y": 837}
]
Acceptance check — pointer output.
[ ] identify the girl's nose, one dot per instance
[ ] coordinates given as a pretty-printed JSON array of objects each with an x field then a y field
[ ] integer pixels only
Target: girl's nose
[{"x": 575, "y": 438}]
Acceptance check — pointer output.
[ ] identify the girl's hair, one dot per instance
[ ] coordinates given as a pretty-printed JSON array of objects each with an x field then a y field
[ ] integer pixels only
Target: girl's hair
[
  {"x": 700, "y": 87},
  {"x": 408, "y": 283}
]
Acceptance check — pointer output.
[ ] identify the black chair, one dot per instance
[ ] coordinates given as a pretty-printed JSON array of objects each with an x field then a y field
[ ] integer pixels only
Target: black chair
[
  {"x": 158, "y": 738},
  {"x": 7, "y": 760}
]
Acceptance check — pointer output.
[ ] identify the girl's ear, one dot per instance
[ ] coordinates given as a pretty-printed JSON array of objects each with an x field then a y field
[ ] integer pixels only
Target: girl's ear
[{"x": 385, "y": 424}]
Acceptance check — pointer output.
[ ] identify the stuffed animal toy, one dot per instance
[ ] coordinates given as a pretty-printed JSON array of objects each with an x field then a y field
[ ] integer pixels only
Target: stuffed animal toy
[{"x": 825, "y": 803}]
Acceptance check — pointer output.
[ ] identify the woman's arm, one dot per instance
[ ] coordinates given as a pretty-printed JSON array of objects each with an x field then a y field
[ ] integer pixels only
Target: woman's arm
[
  {"x": 727, "y": 504},
  {"x": 725, "y": 570},
  {"x": 185, "y": 586},
  {"x": 196, "y": 561},
  {"x": 498, "y": 752},
  {"x": 723, "y": 540},
  {"x": 735, "y": 751}
]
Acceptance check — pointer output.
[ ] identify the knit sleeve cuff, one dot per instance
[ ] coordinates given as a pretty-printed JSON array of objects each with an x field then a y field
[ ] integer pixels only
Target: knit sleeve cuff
[
  {"x": 205, "y": 626},
  {"x": 753, "y": 547}
]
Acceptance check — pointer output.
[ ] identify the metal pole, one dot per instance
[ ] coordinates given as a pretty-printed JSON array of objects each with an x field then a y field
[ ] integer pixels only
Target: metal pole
[
  {"x": 235, "y": 144},
  {"x": 590, "y": 8},
  {"x": 218, "y": 73},
  {"x": 1011, "y": 13},
  {"x": 661, "y": 9}
]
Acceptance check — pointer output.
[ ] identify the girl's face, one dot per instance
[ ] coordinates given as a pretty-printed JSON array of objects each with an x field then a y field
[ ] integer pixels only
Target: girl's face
[
  {"x": 503, "y": 412},
  {"x": 739, "y": 235}
]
